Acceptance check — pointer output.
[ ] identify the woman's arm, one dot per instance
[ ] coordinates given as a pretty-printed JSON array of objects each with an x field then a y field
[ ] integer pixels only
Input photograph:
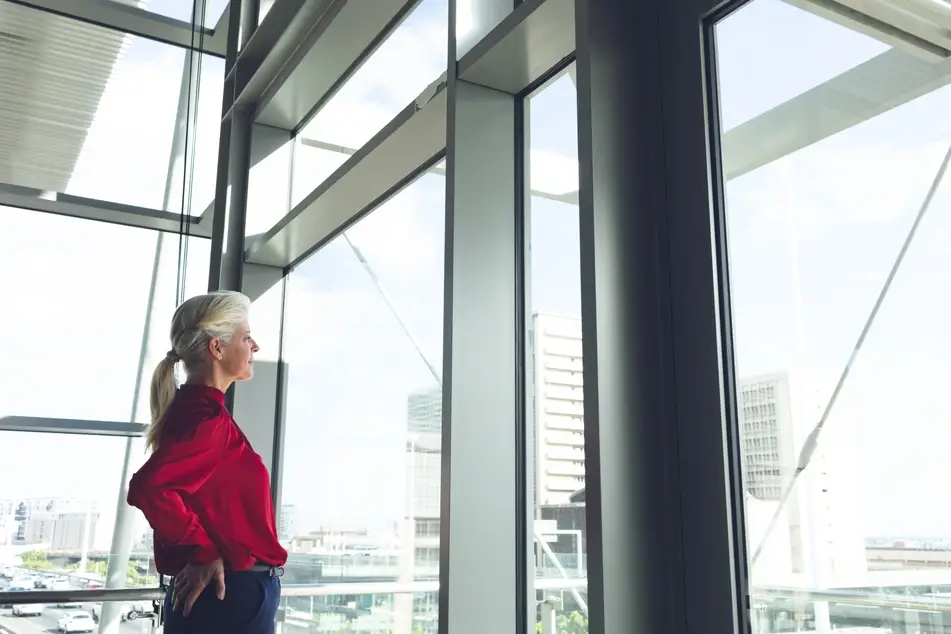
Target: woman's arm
[{"x": 180, "y": 466}]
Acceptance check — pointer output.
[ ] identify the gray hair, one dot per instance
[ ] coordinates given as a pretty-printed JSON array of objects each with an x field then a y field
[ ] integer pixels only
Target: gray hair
[{"x": 196, "y": 322}]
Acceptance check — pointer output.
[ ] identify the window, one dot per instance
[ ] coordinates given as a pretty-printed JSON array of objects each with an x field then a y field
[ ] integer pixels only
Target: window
[
  {"x": 99, "y": 116},
  {"x": 814, "y": 239},
  {"x": 556, "y": 402},
  {"x": 410, "y": 59},
  {"x": 364, "y": 406},
  {"x": 74, "y": 324}
]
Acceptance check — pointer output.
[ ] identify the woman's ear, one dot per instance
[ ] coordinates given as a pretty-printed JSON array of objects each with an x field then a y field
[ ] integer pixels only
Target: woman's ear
[{"x": 214, "y": 348}]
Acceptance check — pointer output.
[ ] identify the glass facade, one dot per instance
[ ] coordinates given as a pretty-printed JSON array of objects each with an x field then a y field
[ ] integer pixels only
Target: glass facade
[
  {"x": 833, "y": 254},
  {"x": 574, "y": 316}
]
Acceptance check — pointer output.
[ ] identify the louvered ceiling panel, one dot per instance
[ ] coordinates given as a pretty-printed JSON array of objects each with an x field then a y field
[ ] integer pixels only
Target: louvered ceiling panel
[{"x": 53, "y": 72}]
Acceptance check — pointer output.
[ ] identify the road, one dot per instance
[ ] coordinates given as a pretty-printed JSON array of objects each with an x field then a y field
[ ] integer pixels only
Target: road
[{"x": 47, "y": 622}]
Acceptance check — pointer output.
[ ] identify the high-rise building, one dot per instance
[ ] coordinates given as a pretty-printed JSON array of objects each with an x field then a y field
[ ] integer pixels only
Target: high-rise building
[
  {"x": 420, "y": 533},
  {"x": 424, "y": 470},
  {"x": 822, "y": 519},
  {"x": 558, "y": 408},
  {"x": 424, "y": 453},
  {"x": 822, "y": 525}
]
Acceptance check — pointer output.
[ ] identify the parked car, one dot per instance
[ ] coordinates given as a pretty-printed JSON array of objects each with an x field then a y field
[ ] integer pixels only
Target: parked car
[
  {"x": 127, "y": 611},
  {"x": 34, "y": 609},
  {"x": 76, "y": 622}
]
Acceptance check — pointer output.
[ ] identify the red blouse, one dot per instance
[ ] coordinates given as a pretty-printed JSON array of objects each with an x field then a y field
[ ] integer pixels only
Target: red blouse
[{"x": 205, "y": 492}]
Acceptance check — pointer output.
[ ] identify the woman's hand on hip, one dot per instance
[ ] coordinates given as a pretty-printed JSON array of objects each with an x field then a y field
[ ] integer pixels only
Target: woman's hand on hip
[{"x": 191, "y": 581}]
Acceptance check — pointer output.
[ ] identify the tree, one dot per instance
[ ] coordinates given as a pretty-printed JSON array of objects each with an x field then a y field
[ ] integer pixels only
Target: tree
[
  {"x": 35, "y": 560},
  {"x": 572, "y": 623}
]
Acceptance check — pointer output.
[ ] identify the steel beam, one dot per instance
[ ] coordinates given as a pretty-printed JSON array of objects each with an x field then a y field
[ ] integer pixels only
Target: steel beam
[
  {"x": 409, "y": 144},
  {"x": 523, "y": 48},
  {"x": 874, "y": 87},
  {"x": 325, "y": 43},
  {"x": 101, "y": 210},
  {"x": 882, "y": 83},
  {"x": 131, "y": 19},
  {"x": 38, "y": 424}
]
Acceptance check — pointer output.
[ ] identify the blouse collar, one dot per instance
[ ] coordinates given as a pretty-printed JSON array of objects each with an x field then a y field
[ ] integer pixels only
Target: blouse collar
[{"x": 197, "y": 389}]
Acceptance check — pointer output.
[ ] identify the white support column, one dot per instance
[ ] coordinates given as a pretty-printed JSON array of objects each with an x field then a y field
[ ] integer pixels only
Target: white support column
[
  {"x": 486, "y": 539},
  {"x": 482, "y": 533}
]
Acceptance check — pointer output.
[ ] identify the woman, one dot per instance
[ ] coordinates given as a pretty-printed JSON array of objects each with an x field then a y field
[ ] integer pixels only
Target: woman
[{"x": 204, "y": 490}]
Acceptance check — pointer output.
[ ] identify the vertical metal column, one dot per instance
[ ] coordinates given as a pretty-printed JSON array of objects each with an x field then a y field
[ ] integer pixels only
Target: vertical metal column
[
  {"x": 635, "y": 569},
  {"x": 234, "y": 161},
  {"x": 711, "y": 498},
  {"x": 234, "y": 165},
  {"x": 660, "y": 509},
  {"x": 484, "y": 542}
]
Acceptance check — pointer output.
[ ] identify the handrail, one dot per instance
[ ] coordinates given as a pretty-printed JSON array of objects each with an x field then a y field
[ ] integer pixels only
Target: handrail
[
  {"x": 98, "y": 595},
  {"x": 358, "y": 587},
  {"x": 153, "y": 593},
  {"x": 396, "y": 587},
  {"x": 103, "y": 595},
  {"x": 852, "y": 597}
]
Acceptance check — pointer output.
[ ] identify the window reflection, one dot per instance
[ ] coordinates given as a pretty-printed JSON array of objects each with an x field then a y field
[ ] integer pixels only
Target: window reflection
[{"x": 813, "y": 238}]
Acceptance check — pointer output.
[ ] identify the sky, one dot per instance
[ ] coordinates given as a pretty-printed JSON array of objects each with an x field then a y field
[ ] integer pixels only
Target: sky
[{"x": 811, "y": 238}]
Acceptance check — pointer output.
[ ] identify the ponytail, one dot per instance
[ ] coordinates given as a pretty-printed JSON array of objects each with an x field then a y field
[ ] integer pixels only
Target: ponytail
[{"x": 161, "y": 395}]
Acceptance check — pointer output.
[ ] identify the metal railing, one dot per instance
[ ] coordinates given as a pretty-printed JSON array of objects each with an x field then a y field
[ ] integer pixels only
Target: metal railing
[
  {"x": 852, "y": 597},
  {"x": 98, "y": 595},
  {"x": 154, "y": 593},
  {"x": 550, "y": 606},
  {"x": 157, "y": 594}
]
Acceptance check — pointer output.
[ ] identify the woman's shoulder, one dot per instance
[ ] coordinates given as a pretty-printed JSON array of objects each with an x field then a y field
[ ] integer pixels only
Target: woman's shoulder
[
  {"x": 192, "y": 414},
  {"x": 198, "y": 406}
]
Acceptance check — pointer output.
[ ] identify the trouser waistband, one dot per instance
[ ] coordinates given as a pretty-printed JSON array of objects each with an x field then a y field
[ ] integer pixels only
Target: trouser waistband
[{"x": 271, "y": 571}]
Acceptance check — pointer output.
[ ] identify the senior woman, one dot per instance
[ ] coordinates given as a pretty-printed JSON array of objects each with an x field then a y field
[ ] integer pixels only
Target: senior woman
[{"x": 204, "y": 490}]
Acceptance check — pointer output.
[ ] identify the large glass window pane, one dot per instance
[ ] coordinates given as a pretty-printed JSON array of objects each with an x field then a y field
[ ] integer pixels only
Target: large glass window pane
[
  {"x": 92, "y": 112},
  {"x": 76, "y": 303},
  {"x": 837, "y": 327},
  {"x": 412, "y": 57},
  {"x": 361, "y": 475},
  {"x": 555, "y": 383}
]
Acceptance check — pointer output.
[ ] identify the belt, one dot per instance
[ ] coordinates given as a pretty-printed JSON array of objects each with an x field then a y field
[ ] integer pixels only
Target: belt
[{"x": 272, "y": 571}]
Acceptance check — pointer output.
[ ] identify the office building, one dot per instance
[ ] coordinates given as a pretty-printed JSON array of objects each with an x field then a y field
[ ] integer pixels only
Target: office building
[
  {"x": 57, "y": 523},
  {"x": 822, "y": 519},
  {"x": 558, "y": 408}
]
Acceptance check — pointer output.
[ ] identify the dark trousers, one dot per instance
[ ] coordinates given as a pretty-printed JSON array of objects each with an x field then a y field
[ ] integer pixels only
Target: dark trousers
[{"x": 249, "y": 607}]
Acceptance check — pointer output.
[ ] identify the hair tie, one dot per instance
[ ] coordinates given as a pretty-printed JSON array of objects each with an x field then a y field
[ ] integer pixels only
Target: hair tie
[{"x": 172, "y": 356}]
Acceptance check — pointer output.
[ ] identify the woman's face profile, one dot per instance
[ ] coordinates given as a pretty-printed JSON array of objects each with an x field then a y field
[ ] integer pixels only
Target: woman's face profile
[{"x": 237, "y": 356}]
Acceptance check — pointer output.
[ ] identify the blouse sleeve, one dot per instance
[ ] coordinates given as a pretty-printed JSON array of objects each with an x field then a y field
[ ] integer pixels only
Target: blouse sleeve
[{"x": 179, "y": 467}]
